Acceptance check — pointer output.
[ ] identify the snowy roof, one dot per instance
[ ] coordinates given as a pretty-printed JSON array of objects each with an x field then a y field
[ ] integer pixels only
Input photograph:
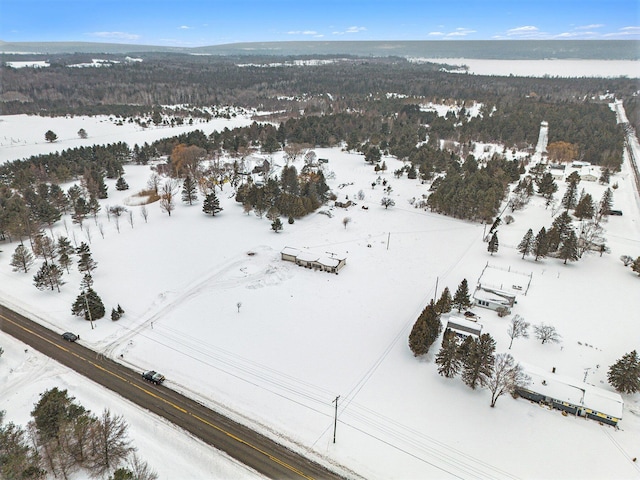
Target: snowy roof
[
  {"x": 308, "y": 256},
  {"x": 462, "y": 324},
  {"x": 575, "y": 392},
  {"x": 491, "y": 296},
  {"x": 290, "y": 251}
]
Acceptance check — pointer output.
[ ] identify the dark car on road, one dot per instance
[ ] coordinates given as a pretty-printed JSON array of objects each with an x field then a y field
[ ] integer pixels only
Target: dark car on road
[
  {"x": 70, "y": 337},
  {"x": 153, "y": 377}
]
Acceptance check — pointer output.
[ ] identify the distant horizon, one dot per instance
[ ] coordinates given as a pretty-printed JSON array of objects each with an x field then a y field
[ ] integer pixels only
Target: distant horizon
[{"x": 199, "y": 23}]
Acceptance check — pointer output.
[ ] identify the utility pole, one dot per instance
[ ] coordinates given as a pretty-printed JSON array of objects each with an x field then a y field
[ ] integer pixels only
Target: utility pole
[
  {"x": 335, "y": 419},
  {"x": 86, "y": 302},
  {"x": 435, "y": 294}
]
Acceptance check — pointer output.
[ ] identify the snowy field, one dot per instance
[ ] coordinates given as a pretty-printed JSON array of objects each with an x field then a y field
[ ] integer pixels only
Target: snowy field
[
  {"x": 543, "y": 68},
  {"x": 300, "y": 338},
  {"x": 23, "y": 135}
]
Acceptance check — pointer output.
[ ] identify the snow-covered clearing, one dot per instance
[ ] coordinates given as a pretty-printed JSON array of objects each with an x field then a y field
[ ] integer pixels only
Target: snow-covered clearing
[
  {"x": 23, "y": 135},
  {"x": 300, "y": 338},
  {"x": 565, "y": 68}
]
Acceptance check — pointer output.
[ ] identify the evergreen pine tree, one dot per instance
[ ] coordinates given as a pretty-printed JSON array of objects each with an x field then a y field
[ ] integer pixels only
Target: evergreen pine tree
[
  {"x": 559, "y": 231},
  {"x": 465, "y": 347},
  {"x": 569, "y": 199},
  {"x": 122, "y": 184},
  {"x": 605, "y": 176},
  {"x": 494, "y": 226},
  {"x": 525, "y": 247},
  {"x": 585, "y": 208},
  {"x": 606, "y": 202},
  {"x": 447, "y": 359},
  {"x": 425, "y": 331},
  {"x": 547, "y": 187},
  {"x": 443, "y": 305},
  {"x": 88, "y": 305},
  {"x": 635, "y": 266},
  {"x": 624, "y": 375},
  {"x": 462, "y": 299},
  {"x": 49, "y": 276},
  {"x": 64, "y": 251},
  {"x": 86, "y": 263},
  {"x": 541, "y": 244},
  {"x": 189, "y": 190},
  {"x": 493, "y": 244},
  {"x": 569, "y": 248},
  {"x": 478, "y": 363},
  {"x": 276, "y": 225},
  {"x": 211, "y": 204},
  {"x": 22, "y": 259}
]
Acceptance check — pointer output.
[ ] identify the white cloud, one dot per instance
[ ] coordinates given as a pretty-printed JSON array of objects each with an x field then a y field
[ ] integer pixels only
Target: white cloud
[
  {"x": 630, "y": 30},
  {"x": 353, "y": 29},
  {"x": 116, "y": 35},
  {"x": 460, "y": 32},
  {"x": 525, "y": 31},
  {"x": 302, "y": 32},
  {"x": 185, "y": 27},
  {"x": 590, "y": 27},
  {"x": 436, "y": 34}
]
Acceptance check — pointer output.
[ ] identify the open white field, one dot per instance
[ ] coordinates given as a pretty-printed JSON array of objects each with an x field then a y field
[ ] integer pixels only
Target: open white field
[{"x": 300, "y": 338}]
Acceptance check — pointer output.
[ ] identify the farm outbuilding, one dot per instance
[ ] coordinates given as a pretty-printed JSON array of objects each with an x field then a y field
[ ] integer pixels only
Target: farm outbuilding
[
  {"x": 573, "y": 397},
  {"x": 308, "y": 259},
  {"x": 463, "y": 328}
]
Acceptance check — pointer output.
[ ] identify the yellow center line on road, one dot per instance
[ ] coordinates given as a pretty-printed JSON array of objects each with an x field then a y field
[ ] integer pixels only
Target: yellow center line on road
[
  {"x": 238, "y": 439},
  {"x": 158, "y": 397}
]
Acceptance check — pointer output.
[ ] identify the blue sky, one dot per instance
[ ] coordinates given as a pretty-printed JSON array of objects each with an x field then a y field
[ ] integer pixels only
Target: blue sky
[{"x": 192, "y": 23}]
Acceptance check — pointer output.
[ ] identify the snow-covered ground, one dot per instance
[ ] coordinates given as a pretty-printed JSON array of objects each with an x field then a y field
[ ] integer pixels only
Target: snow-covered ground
[
  {"x": 25, "y": 374},
  {"x": 566, "y": 68},
  {"x": 300, "y": 338},
  {"x": 23, "y": 135}
]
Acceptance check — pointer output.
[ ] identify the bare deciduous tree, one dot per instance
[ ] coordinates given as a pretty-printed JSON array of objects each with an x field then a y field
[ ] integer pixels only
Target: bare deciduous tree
[
  {"x": 101, "y": 229},
  {"x": 518, "y": 328},
  {"x": 131, "y": 218},
  {"x": 547, "y": 333},
  {"x": 140, "y": 469},
  {"x": 626, "y": 260},
  {"x": 292, "y": 151},
  {"x": 346, "y": 221},
  {"x": 387, "y": 202},
  {"x": 110, "y": 444},
  {"x": 154, "y": 182},
  {"x": 167, "y": 201},
  {"x": 144, "y": 212},
  {"x": 506, "y": 375}
]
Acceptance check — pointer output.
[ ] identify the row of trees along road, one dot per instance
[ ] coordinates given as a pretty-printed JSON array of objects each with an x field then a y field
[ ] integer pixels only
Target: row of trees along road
[{"x": 63, "y": 439}]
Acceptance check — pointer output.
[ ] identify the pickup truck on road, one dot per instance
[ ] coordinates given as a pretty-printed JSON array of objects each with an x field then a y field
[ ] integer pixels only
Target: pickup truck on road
[{"x": 153, "y": 377}]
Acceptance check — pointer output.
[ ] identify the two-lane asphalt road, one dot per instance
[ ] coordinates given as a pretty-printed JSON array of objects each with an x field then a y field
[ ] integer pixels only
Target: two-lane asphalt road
[{"x": 245, "y": 445}]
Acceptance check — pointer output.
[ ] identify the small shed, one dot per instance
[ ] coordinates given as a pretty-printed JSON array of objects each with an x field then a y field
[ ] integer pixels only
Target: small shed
[{"x": 463, "y": 328}]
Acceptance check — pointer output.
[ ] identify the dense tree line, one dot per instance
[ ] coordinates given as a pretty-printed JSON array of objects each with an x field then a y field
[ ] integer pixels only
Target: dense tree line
[
  {"x": 162, "y": 79},
  {"x": 95, "y": 163},
  {"x": 474, "y": 193}
]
